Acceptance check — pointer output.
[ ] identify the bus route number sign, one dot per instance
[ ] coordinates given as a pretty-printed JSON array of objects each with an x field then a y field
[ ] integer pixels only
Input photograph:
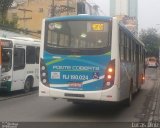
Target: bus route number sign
[
  {"x": 97, "y": 27},
  {"x": 6, "y": 43}
]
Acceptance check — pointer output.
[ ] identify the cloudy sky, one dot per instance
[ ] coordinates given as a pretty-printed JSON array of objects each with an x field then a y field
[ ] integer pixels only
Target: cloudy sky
[{"x": 149, "y": 12}]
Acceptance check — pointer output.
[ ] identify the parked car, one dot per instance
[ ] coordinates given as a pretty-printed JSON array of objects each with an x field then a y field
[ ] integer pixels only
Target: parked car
[{"x": 152, "y": 62}]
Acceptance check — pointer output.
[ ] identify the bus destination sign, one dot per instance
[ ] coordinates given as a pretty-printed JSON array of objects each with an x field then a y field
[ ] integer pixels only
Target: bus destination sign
[
  {"x": 97, "y": 27},
  {"x": 6, "y": 43}
]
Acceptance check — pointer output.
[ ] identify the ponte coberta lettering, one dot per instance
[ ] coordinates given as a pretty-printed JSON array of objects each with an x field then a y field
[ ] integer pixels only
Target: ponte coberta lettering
[{"x": 76, "y": 68}]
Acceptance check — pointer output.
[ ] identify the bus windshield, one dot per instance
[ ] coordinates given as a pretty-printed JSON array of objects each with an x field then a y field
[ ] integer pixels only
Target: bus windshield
[
  {"x": 152, "y": 59},
  {"x": 78, "y": 35},
  {"x": 6, "y": 60}
]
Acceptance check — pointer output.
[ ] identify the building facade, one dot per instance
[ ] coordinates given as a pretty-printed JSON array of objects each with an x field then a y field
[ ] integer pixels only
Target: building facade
[
  {"x": 127, "y": 12},
  {"x": 124, "y": 7},
  {"x": 133, "y": 8},
  {"x": 118, "y": 7},
  {"x": 30, "y": 13},
  {"x": 62, "y": 8}
]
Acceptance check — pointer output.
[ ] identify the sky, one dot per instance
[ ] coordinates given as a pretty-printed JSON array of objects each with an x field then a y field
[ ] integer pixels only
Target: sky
[{"x": 148, "y": 12}]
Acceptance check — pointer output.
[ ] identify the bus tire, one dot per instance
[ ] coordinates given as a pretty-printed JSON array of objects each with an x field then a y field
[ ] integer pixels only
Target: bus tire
[
  {"x": 28, "y": 85},
  {"x": 128, "y": 101}
]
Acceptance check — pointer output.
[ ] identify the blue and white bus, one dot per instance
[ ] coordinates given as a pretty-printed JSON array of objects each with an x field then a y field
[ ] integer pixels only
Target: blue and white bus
[{"x": 89, "y": 58}]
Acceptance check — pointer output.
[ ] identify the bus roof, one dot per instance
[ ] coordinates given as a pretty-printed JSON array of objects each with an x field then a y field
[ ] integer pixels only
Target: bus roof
[
  {"x": 23, "y": 40},
  {"x": 26, "y": 39},
  {"x": 80, "y": 17}
]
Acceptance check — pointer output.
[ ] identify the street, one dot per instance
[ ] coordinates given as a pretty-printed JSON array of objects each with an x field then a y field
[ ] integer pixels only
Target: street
[
  {"x": 91, "y": 50},
  {"x": 32, "y": 108}
]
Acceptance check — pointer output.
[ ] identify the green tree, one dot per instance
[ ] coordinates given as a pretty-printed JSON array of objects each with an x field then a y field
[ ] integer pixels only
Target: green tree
[
  {"x": 4, "y": 6},
  {"x": 151, "y": 40}
]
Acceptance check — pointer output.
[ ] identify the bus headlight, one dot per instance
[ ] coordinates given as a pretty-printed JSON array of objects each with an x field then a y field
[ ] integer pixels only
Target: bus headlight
[
  {"x": 5, "y": 78},
  {"x": 43, "y": 73}
]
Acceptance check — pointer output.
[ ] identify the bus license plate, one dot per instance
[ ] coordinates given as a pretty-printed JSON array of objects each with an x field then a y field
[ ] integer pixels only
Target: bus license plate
[{"x": 75, "y": 85}]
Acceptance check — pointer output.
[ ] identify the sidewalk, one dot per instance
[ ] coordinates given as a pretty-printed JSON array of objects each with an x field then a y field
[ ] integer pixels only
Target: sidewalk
[
  {"x": 152, "y": 104},
  {"x": 155, "y": 113}
]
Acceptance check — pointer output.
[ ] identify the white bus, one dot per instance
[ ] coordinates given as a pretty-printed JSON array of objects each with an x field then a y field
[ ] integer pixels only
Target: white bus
[
  {"x": 19, "y": 63},
  {"x": 90, "y": 58}
]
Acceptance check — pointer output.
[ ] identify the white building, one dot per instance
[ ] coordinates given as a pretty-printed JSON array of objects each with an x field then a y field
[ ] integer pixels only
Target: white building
[
  {"x": 133, "y": 8},
  {"x": 84, "y": 7},
  {"x": 119, "y": 7},
  {"x": 127, "y": 12},
  {"x": 124, "y": 7}
]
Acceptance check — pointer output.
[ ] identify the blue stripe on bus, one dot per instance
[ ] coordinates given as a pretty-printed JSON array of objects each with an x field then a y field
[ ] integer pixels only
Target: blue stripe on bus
[
  {"x": 80, "y": 17},
  {"x": 96, "y": 86},
  {"x": 96, "y": 65}
]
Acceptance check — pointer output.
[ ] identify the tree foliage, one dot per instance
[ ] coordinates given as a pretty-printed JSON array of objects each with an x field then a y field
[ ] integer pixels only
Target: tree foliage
[
  {"x": 4, "y": 6},
  {"x": 151, "y": 39}
]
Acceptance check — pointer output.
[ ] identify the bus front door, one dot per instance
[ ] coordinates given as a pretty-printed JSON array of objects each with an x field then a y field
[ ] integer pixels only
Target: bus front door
[{"x": 19, "y": 74}]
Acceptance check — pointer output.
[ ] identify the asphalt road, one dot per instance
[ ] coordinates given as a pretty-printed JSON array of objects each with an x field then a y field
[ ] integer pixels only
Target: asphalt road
[{"x": 32, "y": 108}]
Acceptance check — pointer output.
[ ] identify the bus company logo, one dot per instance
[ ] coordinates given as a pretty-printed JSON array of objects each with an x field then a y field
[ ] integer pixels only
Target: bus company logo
[
  {"x": 95, "y": 75},
  {"x": 55, "y": 75},
  {"x": 10, "y": 125}
]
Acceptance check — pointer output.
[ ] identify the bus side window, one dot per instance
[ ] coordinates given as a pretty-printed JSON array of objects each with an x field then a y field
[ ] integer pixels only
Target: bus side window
[
  {"x": 121, "y": 45},
  {"x": 127, "y": 49},
  {"x": 135, "y": 51},
  {"x": 19, "y": 58},
  {"x": 130, "y": 49},
  {"x": 37, "y": 55},
  {"x": 30, "y": 55}
]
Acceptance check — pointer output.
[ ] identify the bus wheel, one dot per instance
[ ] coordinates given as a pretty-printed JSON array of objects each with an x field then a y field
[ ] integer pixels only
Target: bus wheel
[
  {"x": 28, "y": 85},
  {"x": 130, "y": 98}
]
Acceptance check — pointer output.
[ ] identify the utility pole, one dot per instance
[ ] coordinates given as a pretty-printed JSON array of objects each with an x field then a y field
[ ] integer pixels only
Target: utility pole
[
  {"x": 52, "y": 9},
  {"x": 67, "y": 6}
]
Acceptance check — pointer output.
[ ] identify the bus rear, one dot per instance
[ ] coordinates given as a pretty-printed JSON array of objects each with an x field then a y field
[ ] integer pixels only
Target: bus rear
[{"x": 76, "y": 58}]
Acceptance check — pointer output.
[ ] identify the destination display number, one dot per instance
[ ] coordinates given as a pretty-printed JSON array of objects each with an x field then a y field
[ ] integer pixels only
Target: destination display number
[
  {"x": 6, "y": 43},
  {"x": 97, "y": 27}
]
